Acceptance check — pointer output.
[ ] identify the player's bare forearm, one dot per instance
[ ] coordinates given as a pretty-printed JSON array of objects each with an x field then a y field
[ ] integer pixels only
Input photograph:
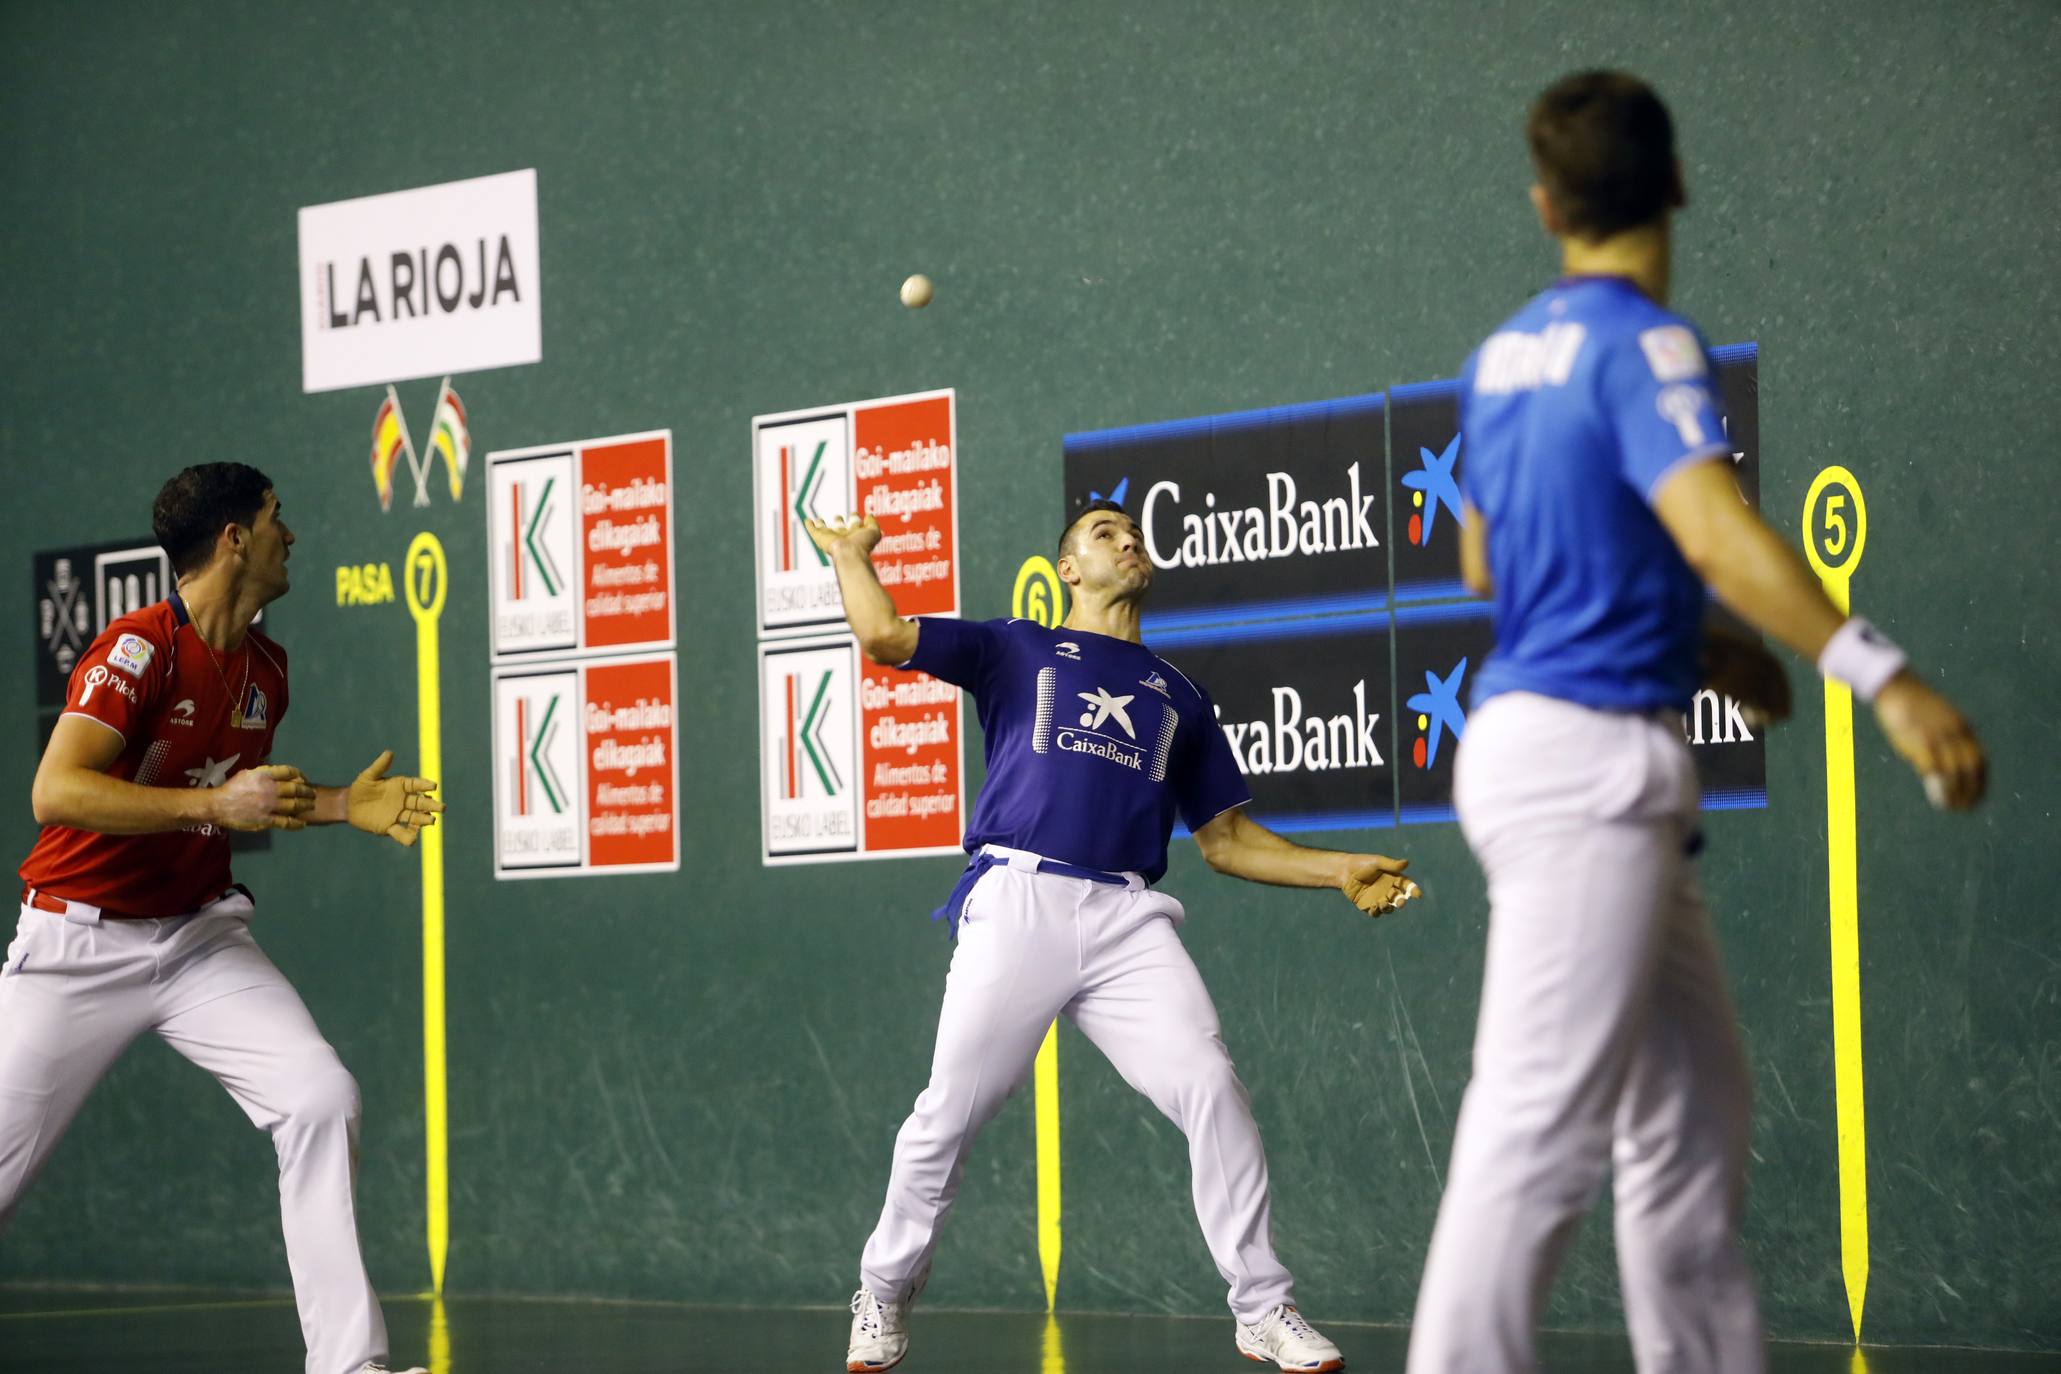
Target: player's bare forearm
[
  {"x": 882, "y": 634},
  {"x": 1240, "y": 846},
  {"x": 84, "y": 799},
  {"x": 1745, "y": 564},
  {"x": 379, "y": 803},
  {"x": 332, "y": 806}
]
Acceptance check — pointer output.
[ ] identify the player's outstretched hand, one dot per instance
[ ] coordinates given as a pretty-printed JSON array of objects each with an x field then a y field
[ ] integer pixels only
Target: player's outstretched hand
[
  {"x": 273, "y": 796},
  {"x": 859, "y": 533},
  {"x": 1376, "y": 884},
  {"x": 396, "y": 807},
  {"x": 1935, "y": 739},
  {"x": 1745, "y": 671}
]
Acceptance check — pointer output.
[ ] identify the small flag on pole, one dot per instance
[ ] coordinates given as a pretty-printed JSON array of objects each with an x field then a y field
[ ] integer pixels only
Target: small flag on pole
[{"x": 449, "y": 436}]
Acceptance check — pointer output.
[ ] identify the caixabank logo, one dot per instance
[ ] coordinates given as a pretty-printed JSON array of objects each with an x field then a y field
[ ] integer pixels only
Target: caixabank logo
[
  {"x": 1439, "y": 649},
  {"x": 1267, "y": 508},
  {"x": 1427, "y": 452}
]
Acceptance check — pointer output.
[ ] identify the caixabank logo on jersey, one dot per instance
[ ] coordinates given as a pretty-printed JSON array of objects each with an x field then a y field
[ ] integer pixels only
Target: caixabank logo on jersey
[{"x": 1274, "y": 591}]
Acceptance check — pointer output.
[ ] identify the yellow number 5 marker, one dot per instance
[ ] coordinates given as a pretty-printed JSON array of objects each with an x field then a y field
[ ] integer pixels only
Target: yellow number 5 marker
[
  {"x": 427, "y": 578},
  {"x": 1835, "y": 527}
]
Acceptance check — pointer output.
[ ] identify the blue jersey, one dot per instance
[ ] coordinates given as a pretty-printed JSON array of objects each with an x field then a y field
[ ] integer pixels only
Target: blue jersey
[
  {"x": 1575, "y": 412},
  {"x": 1094, "y": 744}
]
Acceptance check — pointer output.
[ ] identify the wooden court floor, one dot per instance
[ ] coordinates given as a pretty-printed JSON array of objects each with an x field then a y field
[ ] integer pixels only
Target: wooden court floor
[{"x": 132, "y": 1331}]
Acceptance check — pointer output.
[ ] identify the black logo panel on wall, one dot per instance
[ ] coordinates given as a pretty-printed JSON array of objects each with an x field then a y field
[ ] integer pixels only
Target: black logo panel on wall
[
  {"x": 1259, "y": 513},
  {"x": 1304, "y": 705},
  {"x": 1273, "y": 593},
  {"x": 1438, "y": 651},
  {"x": 1424, "y": 435}
]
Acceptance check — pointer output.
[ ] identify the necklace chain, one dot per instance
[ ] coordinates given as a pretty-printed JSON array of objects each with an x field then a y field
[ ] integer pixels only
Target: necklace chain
[{"x": 236, "y": 704}]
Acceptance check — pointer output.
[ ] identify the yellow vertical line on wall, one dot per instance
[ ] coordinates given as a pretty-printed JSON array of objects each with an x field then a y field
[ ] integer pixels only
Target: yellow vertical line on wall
[
  {"x": 1054, "y": 1350},
  {"x": 1039, "y": 595},
  {"x": 439, "y": 1337},
  {"x": 1834, "y": 530},
  {"x": 1046, "y": 1079},
  {"x": 426, "y": 578}
]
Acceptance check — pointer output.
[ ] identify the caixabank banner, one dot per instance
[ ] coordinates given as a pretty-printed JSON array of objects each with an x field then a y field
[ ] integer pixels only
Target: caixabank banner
[{"x": 1307, "y": 575}]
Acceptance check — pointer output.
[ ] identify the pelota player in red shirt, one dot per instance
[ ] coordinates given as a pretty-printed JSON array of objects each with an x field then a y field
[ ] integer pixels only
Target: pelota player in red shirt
[{"x": 130, "y": 921}]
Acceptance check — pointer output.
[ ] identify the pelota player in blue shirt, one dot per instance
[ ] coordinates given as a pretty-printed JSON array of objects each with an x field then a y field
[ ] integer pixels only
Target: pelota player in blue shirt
[
  {"x": 1600, "y": 503},
  {"x": 1094, "y": 746}
]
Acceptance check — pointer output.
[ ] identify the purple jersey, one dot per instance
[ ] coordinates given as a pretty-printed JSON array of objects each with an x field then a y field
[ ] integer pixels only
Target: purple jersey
[{"x": 1094, "y": 745}]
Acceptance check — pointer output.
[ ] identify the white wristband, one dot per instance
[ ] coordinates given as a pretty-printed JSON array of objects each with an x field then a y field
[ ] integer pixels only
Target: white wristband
[{"x": 1862, "y": 657}]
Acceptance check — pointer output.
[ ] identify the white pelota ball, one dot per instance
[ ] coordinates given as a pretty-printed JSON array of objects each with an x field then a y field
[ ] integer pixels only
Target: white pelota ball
[{"x": 916, "y": 292}]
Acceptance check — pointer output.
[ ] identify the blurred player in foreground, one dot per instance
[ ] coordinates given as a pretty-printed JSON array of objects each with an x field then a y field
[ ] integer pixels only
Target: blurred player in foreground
[
  {"x": 1094, "y": 745},
  {"x": 130, "y": 921},
  {"x": 1600, "y": 503}
]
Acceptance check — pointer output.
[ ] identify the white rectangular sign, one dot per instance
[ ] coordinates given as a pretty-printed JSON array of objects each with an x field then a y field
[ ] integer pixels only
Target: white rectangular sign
[{"x": 421, "y": 283}]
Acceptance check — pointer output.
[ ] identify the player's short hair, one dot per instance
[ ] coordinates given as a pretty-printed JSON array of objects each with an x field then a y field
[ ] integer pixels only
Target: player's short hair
[
  {"x": 1087, "y": 509},
  {"x": 1604, "y": 147},
  {"x": 192, "y": 508}
]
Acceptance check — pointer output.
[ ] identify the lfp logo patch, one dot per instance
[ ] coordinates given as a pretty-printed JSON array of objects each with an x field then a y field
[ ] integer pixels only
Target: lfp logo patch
[
  {"x": 131, "y": 655},
  {"x": 1433, "y": 484}
]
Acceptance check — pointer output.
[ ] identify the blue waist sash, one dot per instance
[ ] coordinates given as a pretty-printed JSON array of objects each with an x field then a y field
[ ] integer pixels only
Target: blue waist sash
[{"x": 981, "y": 861}]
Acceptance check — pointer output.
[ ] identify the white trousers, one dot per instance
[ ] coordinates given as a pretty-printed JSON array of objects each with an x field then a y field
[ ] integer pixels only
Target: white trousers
[
  {"x": 1032, "y": 946},
  {"x": 76, "y": 990},
  {"x": 1606, "y": 1036}
]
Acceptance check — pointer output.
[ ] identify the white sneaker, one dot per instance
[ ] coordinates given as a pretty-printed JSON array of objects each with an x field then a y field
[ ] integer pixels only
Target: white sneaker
[
  {"x": 880, "y": 1334},
  {"x": 377, "y": 1368},
  {"x": 1290, "y": 1342}
]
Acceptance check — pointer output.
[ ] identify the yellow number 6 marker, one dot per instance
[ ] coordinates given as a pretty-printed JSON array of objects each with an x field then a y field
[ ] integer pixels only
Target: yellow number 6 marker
[
  {"x": 427, "y": 577},
  {"x": 1040, "y": 596},
  {"x": 1835, "y": 529}
]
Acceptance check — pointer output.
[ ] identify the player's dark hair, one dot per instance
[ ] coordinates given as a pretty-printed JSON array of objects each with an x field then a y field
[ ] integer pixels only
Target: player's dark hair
[
  {"x": 192, "y": 508},
  {"x": 1087, "y": 509},
  {"x": 1604, "y": 148}
]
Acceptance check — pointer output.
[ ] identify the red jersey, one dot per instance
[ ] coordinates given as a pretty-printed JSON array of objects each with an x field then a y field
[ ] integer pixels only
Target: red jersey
[{"x": 188, "y": 717}]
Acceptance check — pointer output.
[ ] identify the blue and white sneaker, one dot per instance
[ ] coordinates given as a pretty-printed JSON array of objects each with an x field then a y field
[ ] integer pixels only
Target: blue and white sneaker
[
  {"x": 1290, "y": 1342},
  {"x": 880, "y": 1334}
]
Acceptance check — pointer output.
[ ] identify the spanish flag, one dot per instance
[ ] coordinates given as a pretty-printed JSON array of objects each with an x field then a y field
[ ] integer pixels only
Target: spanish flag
[
  {"x": 449, "y": 436},
  {"x": 389, "y": 443}
]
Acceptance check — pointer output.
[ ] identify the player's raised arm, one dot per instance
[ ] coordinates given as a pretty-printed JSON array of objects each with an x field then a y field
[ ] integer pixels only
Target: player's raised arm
[
  {"x": 397, "y": 807},
  {"x": 73, "y": 788},
  {"x": 1236, "y": 844},
  {"x": 1749, "y": 568},
  {"x": 883, "y": 635}
]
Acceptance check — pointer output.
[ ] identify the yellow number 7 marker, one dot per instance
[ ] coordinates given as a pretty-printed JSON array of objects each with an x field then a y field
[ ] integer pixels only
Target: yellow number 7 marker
[
  {"x": 1835, "y": 527},
  {"x": 426, "y": 576}
]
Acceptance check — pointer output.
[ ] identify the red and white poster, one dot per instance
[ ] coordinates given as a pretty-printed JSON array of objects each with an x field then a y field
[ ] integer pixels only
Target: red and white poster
[
  {"x": 895, "y": 459},
  {"x": 580, "y": 547},
  {"x": 586, "y": 768},
  {"x": 859, "y": 761}
]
